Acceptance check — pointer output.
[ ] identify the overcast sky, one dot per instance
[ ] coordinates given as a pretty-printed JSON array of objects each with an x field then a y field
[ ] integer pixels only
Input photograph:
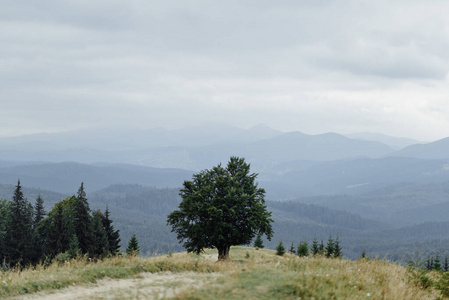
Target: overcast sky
[{"x": 309, "y": 65}]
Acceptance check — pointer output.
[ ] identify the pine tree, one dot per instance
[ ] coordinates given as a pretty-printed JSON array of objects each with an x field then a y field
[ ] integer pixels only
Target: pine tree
[
  {"x": 363, "y": 255},
  {"x": 315, "y": 247},
  {"x": 321, "y": 248},
  {"x": 303, "y": 249},
  {"x": 18, "y": 235},
  {"x": 258, "y": 242},
  {"x": 280, "y": 249},
  {"x": 57, "y": 240},
  {"x": 100, "y": 244},
  {"x": 4, "y": 212},
  {"x": 337, "y": 248},
  {"x": 292, "y": 249},
  {"x": 39, "y": 212},
  {"x": 429, "y": 264},
  {"x": 39, "y": 235},
  {"x": 112, "y": 235},
  {"x": 446, "y": 263},
  {"x": 74, "y": 247},
  {"x": 133, "y": 246},
  {"x": 330, "y": 247},
  {"x": 437, "y": 263},
  {"x": 82, "y": 221}
]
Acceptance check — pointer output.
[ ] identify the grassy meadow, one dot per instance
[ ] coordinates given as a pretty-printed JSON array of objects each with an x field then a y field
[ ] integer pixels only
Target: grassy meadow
[{"x": 250, "y": 274}]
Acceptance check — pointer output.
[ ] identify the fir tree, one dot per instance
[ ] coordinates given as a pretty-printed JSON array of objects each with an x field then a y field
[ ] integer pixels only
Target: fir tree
[
  {"x": 330, "y": 247},
  {"x": 321, "y": 248},
  {"x": 112, "y": 235},
  {"x": 39, "y": 212},
  {"x": 82, "y": 221},
  {"x": 258, "y": 242},
  {"x": 303, "y": 249},
  {"x": 57, "y": 240},
  {"x": 446, "y": 263},
  {"x": 280, "y": 249},
  {"x": 4, "y": 212},
  {"x": 337, "y": 248},
  {"x": 363, "y": 255},
  {"x": 39, "y": 234},
  {"x": 133, "y": 246},
  {"x": 292, "y": 249},
  {"x": 429, "y": 264},
  {"x": 315, "y": 247},
  {"x": 74, "y": 247},
  {"x": 18, "y": 235},
  {"x": 437, "y": 263},
  {"x": 100, "y": 244}
]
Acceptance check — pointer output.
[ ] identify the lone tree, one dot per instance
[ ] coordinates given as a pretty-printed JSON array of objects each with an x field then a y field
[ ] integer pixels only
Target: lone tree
[{"x": 221, "y": 207}]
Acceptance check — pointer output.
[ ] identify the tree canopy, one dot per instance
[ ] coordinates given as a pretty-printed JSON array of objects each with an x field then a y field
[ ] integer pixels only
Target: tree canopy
[{"x": 221, "y": 207}]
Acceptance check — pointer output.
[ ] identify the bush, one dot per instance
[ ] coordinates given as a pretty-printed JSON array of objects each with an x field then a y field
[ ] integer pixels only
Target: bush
[{"x": 62, "y": 257}]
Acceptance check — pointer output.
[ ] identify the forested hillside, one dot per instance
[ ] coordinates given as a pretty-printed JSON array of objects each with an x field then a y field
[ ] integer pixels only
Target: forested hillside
[{"x": 143, "y": 211}]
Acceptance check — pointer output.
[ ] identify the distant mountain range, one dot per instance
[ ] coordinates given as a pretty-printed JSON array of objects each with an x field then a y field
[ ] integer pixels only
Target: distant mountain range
[
  {"x": 290, "y": 164},
  {"x": 396, "y": 143},
  {"x": 192, "y": 148}
]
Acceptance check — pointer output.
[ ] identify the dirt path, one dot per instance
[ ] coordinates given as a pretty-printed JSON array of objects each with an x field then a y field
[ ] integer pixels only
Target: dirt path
[{"x": 146, "y": 286}]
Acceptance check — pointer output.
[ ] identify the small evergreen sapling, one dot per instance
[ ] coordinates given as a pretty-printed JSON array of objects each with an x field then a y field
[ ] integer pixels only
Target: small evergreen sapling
[
  {"x": 337, "y": 248},
  {"x": 321, "y": 248},
  {"x": 292, "y": 249},
  {"x": 446, "y": 263},
  {"x": 330, "y": 247},
  {"x": 280, "y": 249},
  {"x": 315, "y": 247},
  {"x": 74, "y": 247},
  {"x": 303, "y": 249},
  {"x": 133, "y": 246},
  {"x": 258, "y": 242}
]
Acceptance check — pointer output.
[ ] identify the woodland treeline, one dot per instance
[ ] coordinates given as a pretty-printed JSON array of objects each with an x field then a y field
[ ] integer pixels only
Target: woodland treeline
[{"x": 29, "y": 235}]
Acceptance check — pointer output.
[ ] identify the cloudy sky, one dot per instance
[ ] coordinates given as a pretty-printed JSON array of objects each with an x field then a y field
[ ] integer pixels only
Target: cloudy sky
[{"x": 309, "y": 65}]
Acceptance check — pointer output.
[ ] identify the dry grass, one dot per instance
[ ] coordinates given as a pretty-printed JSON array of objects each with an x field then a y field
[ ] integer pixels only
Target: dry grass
[{"x": 250, "y": 274}]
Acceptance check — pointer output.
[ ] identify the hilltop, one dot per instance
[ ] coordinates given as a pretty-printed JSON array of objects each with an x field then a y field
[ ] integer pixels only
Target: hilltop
[{"x": 251, "y": 274}]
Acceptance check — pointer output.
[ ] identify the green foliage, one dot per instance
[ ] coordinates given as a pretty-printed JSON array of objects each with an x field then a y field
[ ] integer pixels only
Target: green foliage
[
  {"x": 27, "y": 240},
  {"x": 321, "y": 248},
  {"x": 83, "y": 221},
  {"x": 221, "y": 207},
  {"x": 62, "y": 257},
  {"x": 315, "y": 247},
  {"x": 363, "y": 255},
  {"x": 337, "y": 248},
  {"x": 330, "y": 247},
  {"x": 39, "y": 211},
  {"x": 258, "y": 242},
  {"x": 4, "y": 211},
  {"x": 446, "y": 263},
  {"x": 112, "y": 235},
  {"x": 18, "y": 233},
  {"x": 99, "y": 238},
  {"x": 292, "y": 249},
  {"x": 280, "y": 249},
  {"x": 133, "y": 248},
  {"x": 60, "y": 226},
  {"x": 74, "y": 247},
  {"x": 303, "y": 249}
]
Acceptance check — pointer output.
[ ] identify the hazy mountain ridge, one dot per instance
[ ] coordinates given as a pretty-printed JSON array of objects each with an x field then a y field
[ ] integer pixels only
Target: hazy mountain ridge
[
  {"x": 189, "y": 148},
  {"x": 434, "y": 150},
  {"x": 396, "y": 143},
  {"x": 66, "y": 177}
]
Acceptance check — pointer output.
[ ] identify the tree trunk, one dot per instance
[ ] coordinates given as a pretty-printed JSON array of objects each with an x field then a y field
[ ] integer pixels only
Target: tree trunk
[{"x": 223, "y": 252}]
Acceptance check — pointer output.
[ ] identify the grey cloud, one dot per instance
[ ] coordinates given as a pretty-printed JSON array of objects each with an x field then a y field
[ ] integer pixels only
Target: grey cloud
[{"x": 157, "y": 63}]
